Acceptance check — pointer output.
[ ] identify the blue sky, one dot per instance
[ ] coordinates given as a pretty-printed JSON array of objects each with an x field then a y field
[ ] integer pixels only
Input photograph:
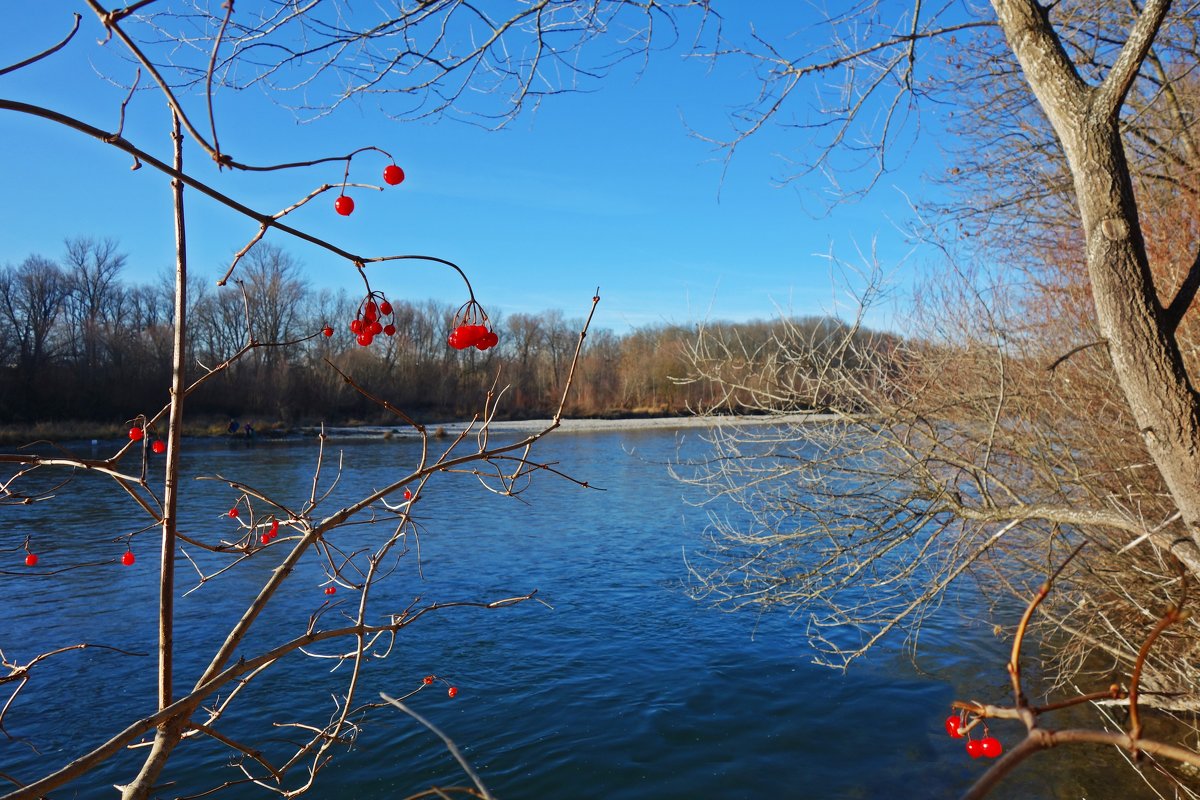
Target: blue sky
[{"x": 604, "y": 188}]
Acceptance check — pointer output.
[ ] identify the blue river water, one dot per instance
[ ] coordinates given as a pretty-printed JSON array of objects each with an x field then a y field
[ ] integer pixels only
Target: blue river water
[{"x": 614, "y": 684}]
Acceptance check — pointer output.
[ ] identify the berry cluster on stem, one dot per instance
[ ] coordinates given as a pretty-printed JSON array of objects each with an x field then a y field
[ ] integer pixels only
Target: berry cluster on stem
[
  {"x": 373, "y": 318},
  {"x": 344, "y": 204},
  {"x": 471, "y": 328},
  {"x": 989, "y": 746}
]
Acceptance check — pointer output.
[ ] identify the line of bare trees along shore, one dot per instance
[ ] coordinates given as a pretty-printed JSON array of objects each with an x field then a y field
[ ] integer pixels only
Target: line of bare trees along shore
[{"x": 79, "y": 342}]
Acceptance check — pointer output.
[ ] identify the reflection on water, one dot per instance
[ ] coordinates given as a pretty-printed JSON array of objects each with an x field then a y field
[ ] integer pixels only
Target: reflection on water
[{"x": 616, "y": 687}]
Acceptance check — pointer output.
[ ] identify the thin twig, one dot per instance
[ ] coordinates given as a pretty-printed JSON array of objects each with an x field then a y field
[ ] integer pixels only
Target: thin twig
[{"x": 454, "y": 751}]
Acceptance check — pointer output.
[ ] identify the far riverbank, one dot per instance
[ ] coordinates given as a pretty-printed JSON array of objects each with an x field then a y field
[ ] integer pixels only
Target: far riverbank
[{"x": 71, "y": 430}]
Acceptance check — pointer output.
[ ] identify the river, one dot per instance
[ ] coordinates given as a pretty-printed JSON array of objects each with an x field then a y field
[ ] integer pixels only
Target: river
[{"x": 614, "y": 684}]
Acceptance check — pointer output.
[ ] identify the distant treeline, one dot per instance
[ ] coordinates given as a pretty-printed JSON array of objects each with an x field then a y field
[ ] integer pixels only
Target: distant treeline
[{"x": 78, "y": 343}]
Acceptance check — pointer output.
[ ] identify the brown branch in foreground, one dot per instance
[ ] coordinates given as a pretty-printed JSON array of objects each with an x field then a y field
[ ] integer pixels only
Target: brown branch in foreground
[
  {"x": 1173, "y": 614},
  {"x": 1039, "y": 739},
  {"x": 1014, "y": 662},
  {"x": 47, "y": 52}
]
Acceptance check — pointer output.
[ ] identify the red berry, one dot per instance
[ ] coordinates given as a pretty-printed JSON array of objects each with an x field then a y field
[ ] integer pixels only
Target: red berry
[
  {"x": 392, "y": 175},
  {"x": 330, "y": 590},
  {"x": 375, "y": 328},
  {"x": 488, "y": 340},
  {"x": 952, "y": 723},
  {"x": 233, "y": 512},
  {"x": 427, "y": 680},
  {"x": 356, "y": 326},
  {"x": 328, "y": 331},
  {"x": 452, "y": 339},
  {"x": 136, "y": 434},
  {"x": 452, "y": 691},
  {"x": 128, "y": 558},
  {"x": 343, "y": 205},
  {"x": 990, "y": 746},
  {"x": 408, "y": 494},
  {"x": 31, "y": 560},
  {"x": 365, "y": 338},
  {"x": 974, "y": 748},
  {"x": 159, "y": 446},
  {"x": 274, "y": 527},
  {"x": 370, "y": 313},
  {"x": 385, "y": 308},
  {"x": 389, "y": 329}
]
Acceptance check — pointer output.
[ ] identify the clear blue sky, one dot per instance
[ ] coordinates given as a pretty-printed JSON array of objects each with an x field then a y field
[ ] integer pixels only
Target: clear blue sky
[{"x": 599, "y": 189}]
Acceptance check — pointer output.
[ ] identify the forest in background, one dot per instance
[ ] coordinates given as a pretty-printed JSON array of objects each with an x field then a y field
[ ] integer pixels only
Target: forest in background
[{"x": 79, "y": 343}]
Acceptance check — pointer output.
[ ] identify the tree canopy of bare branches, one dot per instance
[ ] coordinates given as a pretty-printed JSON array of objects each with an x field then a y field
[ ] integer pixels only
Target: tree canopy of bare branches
[{"x": 1044, "y": 395}]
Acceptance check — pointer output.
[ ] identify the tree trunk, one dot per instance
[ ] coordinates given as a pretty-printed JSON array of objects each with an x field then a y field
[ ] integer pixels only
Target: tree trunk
[{"x": 1145, "y": 355}]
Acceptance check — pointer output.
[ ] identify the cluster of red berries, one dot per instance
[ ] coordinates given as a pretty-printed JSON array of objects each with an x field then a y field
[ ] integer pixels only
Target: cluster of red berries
[
  {"x": 471, "y": 329},
  {"x": 988, "y": 746},
  {"x": 136, "y": 434},
  {"x": 344, "y": 205},
  {"x": 330, "y": 590},
  {"x": 271, "y": 533},
  {"x": 451, "y": 692},
  {"x": 374, "y": 317}
]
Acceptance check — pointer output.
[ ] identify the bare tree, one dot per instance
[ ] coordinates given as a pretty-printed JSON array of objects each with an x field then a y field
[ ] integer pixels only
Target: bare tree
[
  {"x": 1046, "y": 396},
  {"x": 309, "y": 525},
  {"x": 32, "y": 298}
]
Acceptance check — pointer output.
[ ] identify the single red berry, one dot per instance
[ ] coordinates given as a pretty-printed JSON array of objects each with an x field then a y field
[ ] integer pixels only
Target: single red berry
[
  {"x": 385, "y": 308},
  {"x": 408, "y": 494},
  {"x": 365, "y": 338},
  {"x": 389, "y": 329},
  {"x": 974, "y": 748},
  {"x": 392, "y": 175},
  {"x": 128, "y": 558},
  {"x": 952, "y": 723},
  {"x": 427, "y": 680},
  {"x": 136, "y": 434},
  {"x": 452, "y": 339},
  {"x": 375, "y": 328},
  {"x": 233, "y": 512},
  {"x": 452, "y": 691},
  {"x": 487, "y": 341},
  {"x": 266, "y": 538},
  {"x": 158, "y": 446},
  {"x": 330, "y": 590},
  {"x": 31, "y": 560},
  {"x": 343, "y": 205},
  {"x": 990, "y": 746},
  {"x": 356, "y": 326},
  {"x": 328, "y": 331}
]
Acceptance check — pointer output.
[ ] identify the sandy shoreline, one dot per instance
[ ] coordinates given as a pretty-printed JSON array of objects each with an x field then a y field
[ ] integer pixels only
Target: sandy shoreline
[{"x": 568, "y": 425}]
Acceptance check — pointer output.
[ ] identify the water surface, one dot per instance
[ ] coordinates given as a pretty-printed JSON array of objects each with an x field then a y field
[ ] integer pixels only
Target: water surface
[{"x": 617, "y": 686}]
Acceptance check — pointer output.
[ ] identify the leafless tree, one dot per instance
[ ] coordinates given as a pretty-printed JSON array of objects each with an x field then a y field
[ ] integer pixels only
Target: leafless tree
[
  {"x": 308, "y": 525},
  {"x": 1045, "y": 395}
]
